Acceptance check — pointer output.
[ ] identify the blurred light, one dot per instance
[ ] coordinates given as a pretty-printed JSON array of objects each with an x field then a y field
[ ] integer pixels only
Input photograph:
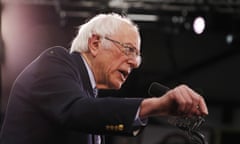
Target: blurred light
[
  {"x": 118, "y": 4},
  {"x": 199, "y": 25},
  {"x": 143, "y": 17},
  {"x": 229, "y": 38},
  {"x": 178, "y": 19}
]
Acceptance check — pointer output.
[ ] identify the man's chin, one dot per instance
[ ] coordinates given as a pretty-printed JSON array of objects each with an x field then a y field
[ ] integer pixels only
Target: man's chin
[{"x": 117, "y": 85}]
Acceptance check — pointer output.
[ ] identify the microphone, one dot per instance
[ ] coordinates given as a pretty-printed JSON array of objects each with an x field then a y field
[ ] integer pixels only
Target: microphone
[
  {"x": 187, "y": 124},
  {"x": 157, "y": 89}
]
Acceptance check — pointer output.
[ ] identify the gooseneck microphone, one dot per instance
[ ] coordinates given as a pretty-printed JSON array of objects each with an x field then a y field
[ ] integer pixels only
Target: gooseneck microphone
[{"x": 157, "y": 89}]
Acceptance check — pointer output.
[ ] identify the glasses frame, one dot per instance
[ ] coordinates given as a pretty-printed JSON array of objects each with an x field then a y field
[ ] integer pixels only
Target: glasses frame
[{"x": 129, "y": 51}]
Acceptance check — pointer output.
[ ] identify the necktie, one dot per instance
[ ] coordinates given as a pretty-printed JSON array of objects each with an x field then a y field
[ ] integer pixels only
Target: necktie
[
  {"x": 97, "y": 138},
  {"x": 95, "y": 92}
]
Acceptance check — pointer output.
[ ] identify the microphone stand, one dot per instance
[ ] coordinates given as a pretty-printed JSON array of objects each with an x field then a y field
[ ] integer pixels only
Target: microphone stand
[{"x": 190, "y": 125}]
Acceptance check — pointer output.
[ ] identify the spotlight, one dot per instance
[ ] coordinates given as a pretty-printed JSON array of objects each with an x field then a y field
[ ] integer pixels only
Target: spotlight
[
  {"x": 229, "y": 38},
  {"x": 199, "y": 25}
]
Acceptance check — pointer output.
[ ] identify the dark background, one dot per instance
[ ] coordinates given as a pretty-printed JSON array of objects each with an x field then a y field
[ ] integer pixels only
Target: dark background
[{"x": 172, "y": 53}]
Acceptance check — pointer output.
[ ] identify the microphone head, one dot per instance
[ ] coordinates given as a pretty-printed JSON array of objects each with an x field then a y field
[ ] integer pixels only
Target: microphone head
[{"x": 157, "y": 89}]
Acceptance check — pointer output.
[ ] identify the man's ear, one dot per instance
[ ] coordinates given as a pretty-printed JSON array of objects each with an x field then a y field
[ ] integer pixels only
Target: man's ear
[{"x": 94, "y": 44}]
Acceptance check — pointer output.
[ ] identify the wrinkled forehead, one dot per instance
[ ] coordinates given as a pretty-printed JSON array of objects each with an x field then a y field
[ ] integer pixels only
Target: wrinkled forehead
[{"x": 128, "y": 34}]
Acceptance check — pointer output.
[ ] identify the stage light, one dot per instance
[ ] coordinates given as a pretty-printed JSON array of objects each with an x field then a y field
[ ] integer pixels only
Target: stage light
[
  {"x": 199, "y": 25},
  {"x": 143, "y": 17},
  {"x": 229, "y": 38}
]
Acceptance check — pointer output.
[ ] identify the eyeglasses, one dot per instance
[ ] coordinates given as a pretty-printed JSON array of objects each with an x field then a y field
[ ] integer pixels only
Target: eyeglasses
[{"x": 128, "y": 50}]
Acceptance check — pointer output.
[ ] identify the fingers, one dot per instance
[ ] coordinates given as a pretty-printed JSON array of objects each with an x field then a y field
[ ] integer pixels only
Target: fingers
[
  {"x": 199, "y": 104},
  {"x": 203, "y": 107},
  {"x": 184, "y": 102},
  {"x": 188, "y": 101}
]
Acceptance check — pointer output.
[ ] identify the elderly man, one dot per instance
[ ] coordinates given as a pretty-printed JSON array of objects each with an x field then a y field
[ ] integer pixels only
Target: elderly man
[{"x": 53, "y": 101}]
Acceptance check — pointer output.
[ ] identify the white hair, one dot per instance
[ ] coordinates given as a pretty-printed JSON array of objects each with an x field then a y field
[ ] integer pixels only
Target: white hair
[{"x": 101, "y": 24}]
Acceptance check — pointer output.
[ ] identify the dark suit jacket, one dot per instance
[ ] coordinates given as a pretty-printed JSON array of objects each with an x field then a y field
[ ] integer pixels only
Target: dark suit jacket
[{"x": 52, "y": 102}]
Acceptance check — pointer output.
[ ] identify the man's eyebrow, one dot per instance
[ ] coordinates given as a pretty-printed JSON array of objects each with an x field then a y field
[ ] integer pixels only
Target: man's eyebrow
[{"x": 128, "y": 43}]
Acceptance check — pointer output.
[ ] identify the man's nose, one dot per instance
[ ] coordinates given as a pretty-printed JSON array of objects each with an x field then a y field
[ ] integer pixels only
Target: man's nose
[{"x": 134, "y": 63}]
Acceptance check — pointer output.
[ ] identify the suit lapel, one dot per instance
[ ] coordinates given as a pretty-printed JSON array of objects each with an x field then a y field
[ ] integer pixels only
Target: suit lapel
[
  {"x": 87, "y": 86},
  {"x": 83, "y": 72}
]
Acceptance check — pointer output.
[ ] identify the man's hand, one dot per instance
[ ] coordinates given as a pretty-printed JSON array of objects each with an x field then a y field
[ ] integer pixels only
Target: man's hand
[{"x": 180, "y": 101}]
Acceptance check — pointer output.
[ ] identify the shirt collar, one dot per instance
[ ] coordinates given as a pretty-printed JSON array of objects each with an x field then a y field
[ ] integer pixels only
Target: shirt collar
[{"x": 90, "y": 74}]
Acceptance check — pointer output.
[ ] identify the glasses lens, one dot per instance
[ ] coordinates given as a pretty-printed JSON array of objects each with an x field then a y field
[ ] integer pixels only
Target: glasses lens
[{"x": 128, "y": 50}]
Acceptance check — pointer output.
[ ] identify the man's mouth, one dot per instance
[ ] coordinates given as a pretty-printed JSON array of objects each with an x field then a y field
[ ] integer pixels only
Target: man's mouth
[{"x": 124, "y": 73}]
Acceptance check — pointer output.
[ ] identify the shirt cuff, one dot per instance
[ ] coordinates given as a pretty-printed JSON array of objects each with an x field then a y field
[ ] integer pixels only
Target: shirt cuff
[{"x": 138, "y": 121}]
